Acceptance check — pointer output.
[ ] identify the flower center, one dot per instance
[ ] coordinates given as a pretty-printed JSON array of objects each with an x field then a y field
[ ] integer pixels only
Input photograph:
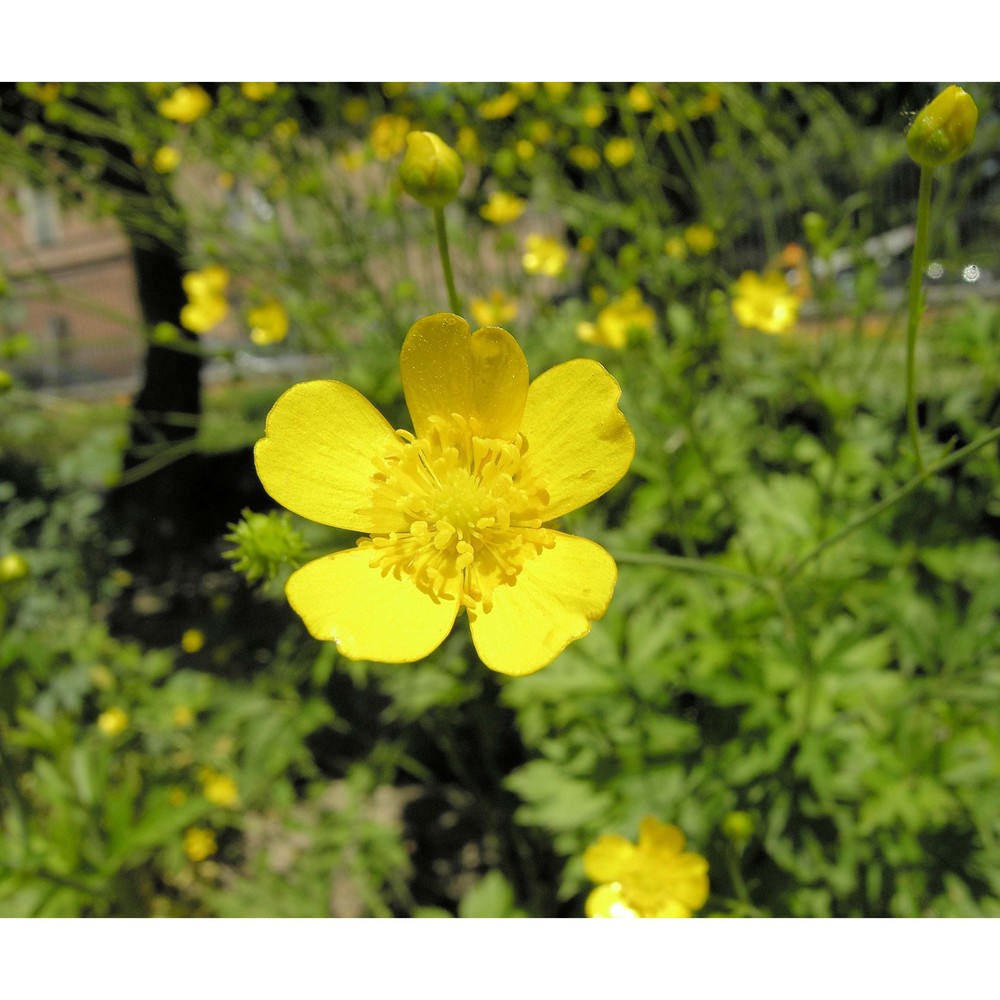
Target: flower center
[{"x": 474, "y": 510}]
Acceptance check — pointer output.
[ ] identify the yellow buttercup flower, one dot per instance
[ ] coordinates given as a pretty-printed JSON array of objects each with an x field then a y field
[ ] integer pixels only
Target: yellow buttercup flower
[
  {"x": 186, "y": 104},
  {"x": 765, "y": 302},
  {"x": 675, "y": 247},
  {"x": 494, "y": 311},
  {"x": 500, "y": 107},
  {"x": 199, "y": 843},
  {"x": 544, "y": 255},
  {"x": 218, "y": 788},
  {"x": 268, "y": 322},
  {"x": 585, "y": 157},
  {"x": 258, "y": 91},
  {"x": 455, "y": 513},
  {"x": 558, "y": 91},
  {"x": 166, "y": 159},
  {"x": 207, "y": 304},
  {"x": 619, "y": 151},
  {"x": 355, "y": 110},
  {"x": 700, "y": 238},
  {"x": 594, "y": 114},
  {"x": 388, "y": 135},
  {"x": 193, "y": 640},
  {"x": 502, "y": 208},
  {"x": 112, "y": 722},
  {"x": 656, "y": 878},
  {"x": 618, "y": 319},
  {"x": 639, "y": 98},
  {"x": 182, "y": 716}
]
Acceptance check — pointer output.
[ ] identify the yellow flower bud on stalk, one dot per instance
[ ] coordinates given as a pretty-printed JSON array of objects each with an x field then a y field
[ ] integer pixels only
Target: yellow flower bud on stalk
[
  {"x": 943, "y": 132},
  {"x": 431, "y": 171}
]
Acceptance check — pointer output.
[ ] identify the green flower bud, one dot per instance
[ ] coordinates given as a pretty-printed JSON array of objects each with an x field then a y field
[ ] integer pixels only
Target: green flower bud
[
  {"x": 431, "y": 170},
  {"x": 738, "y": 827},
  {"x": 6, "y": 380},
  {"x": 263, "y": 545},
  {"x": 944, "y": 130},
  {"x": 13, "y": 566}
]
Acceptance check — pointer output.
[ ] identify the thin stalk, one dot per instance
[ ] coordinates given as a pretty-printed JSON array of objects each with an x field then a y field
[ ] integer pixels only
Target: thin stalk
[
  {"x": 442, "y": 241},
  {"x": 916, "y": 307},
  {"x": 862, "y": 519},
  {"x": 691, "y": 566}
]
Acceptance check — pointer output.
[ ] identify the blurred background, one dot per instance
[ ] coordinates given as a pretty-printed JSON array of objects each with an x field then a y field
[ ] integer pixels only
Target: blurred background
[{"x": 820, "y": 720}]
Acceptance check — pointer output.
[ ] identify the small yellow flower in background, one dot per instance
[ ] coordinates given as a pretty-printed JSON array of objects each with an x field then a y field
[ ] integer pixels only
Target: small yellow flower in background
[
  {"x": 675, "y": 247},
  {"x": 738, "y": 827},
  {"x": 186, "y": 104},
  {"x": 619, "y": 151},
  {"x": 944, "y": 130},
  {"x": 286, "y": 130},
  {"x": 182, "y": 716},
  {"x": 667, "y": 121},
  {"x": 586, "y": 244},
  {"x": 500, "y": 107},
  {"x": 218, "y": 788},
  {"x": 192, "y": 640},
  {"x": 112, "y": 722},
  {"x": 394, "y": 89},
  {"x": 526, "y": 89},
  {"x": 258, "y": 91},
  {"x": 639, "y": 98},
  {"x": 656, "y": 878},
  {"x": 624, "y": 316},
  {"x": 352, "y": 160},
  {"x": 701, "y": 238},
  {"x": 355, "y": 110},
  {"x": 431, "y": 171},
  {"x": 502, "y": 207},
  {"x": 594, "y": 114},
  {"x": 558, "y": 91},
  {"x": 494, "y": 311},
  {"x": 456, "y": 513},
  {"x": 585, "y": 157},
  {"x": 765, "y": 302},
  {"x": 6, "y": 380},
  {"x": 388, "y": 135},
  {"x": 13, "y": 566},
  {"x": 540, "y": 131},
  {"x": 176, "y": 796},
  {"x": 544, "y": 255},
  {"x": 524, "y": 148},
  {"x": 199, "y": 843},
  {"x": 467, "y": 143},
  {"x": 166, "y": 159},
  {"x": 268, "y": 322},
  {"x": 226, "y": 180},
  {"x": 207, "y": 304}
]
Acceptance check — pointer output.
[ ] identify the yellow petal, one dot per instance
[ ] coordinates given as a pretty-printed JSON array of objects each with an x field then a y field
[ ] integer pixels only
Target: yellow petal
[
  {"x": 673, "y": 908},
  {"x": 369, "y": 616},
  {"x": 317, "y": 456},
  {"x": 579, "y": 443},
  {"x": 552, "y": 601},
  {"x": 690, "y": 880},
  {"x": 661, "y": 837},
  {"x": 446, "y": 371},
  {"x": 607, "y": 859},
  {"x": 607, "y": 901}
]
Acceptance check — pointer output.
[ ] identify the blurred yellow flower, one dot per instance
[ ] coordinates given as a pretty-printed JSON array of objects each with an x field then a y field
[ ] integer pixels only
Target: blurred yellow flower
[
  {"x": 639, "y": 98},
  {"x": 656, "y": 878},
  {"x": 192, "y": 640},
  {"x": 499, "y": 107},
  {"x": 176, "y": 796},
  {"x": 586, "y": 244},
  {"x": 286, "y": 130},
  {"x": 182, "y": 716},
  {"x": 619, "y": 151},
  {"x": 667, "y": 121},
  {"x": 13, "y": 566},
  {"x": 226, "y": 180},
  {"x": 558, "y": 91},
  {"x": 467, "y": 143},
  {"x": 544, "y": 255},
  {"x": 186, "y": 104},
  {"x": 166, "y": 159},
  {"x": 218, "y": 788},
  {"x": 525, "y": 90},
  {"x": 765, "y": 302},
  {"x": 456, "y": 511},
  {"x": 355, "y": 110},
  {"x": 494, "y": 311},
  {"x": 207, "y": 304},
  {"x": 502, "y": 207},
  {"x": 594, "y": 114},
  {"x": 388, "y": 135},
  {"x": 675, "y": 247},
  {"x": 268, "y": 322},
  {"x": 394, "y": 89},
  {"x": 258, "y": 91},
  {"x": 540, "y": 131},
  {"x": 112, "y": 722},
  {"x": 700, "y": 238},
  {"x": 352, "y": 160},
  {"x": 524, "y": 148},
  {"x": 585, "y": 157},
  {"x": 617, "y": 320},
  {"x": 199, "y": 843}
]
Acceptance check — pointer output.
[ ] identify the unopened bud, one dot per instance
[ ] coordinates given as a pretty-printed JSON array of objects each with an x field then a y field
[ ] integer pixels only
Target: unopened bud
[
  {"x": 431, "y": 170},
  {"x": 13, "y": 566},
  {"x": 944, "y": 130},
  {"x": 738, "y": 826}
]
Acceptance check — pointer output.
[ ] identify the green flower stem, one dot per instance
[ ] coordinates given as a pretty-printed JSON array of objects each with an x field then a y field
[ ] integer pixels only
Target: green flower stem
[
  {"x": 862, "y": 519},
  {"x": 442, "y": 240},
  {"x": 917, "y": 307},
  {"x": 691, "y": 566}
]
